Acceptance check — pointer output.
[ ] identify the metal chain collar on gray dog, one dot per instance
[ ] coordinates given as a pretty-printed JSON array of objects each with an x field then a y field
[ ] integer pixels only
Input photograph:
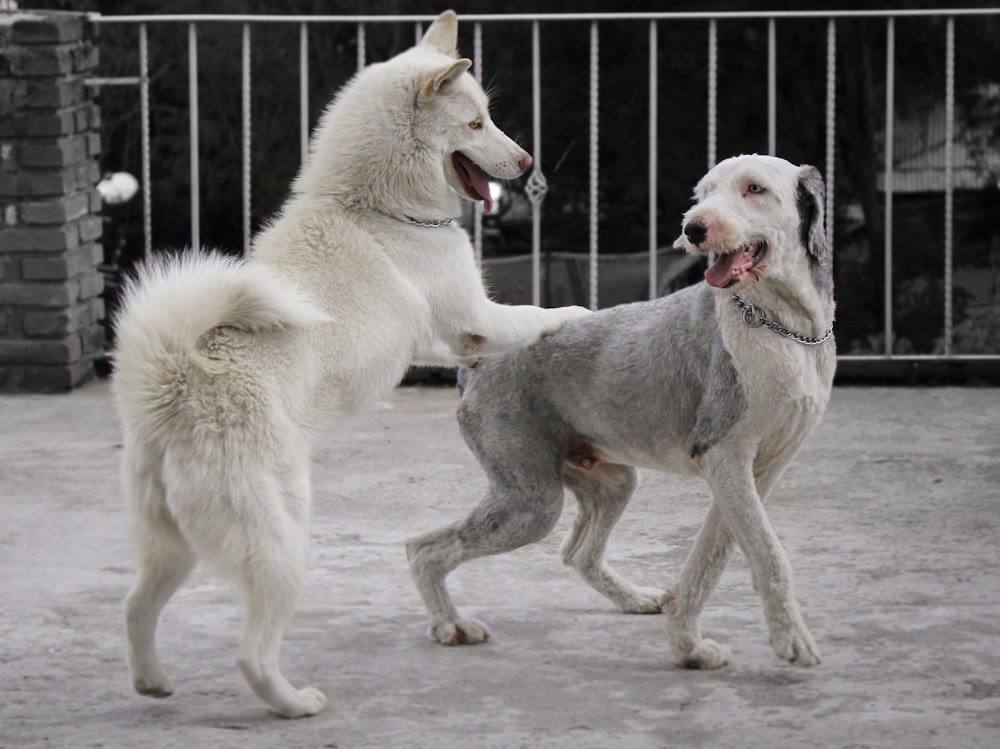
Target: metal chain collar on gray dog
[{"x": 754, "y": 318}]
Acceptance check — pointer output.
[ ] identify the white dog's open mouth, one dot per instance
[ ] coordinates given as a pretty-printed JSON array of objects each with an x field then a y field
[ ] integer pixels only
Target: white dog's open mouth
[
  {"x": 736, "y": 265},
  {"x": 473, "y": 179}
]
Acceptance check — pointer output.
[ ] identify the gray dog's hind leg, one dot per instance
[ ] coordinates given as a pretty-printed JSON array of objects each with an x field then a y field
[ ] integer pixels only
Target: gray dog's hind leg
[
  {"x": 505, "y": 520},
  {"x": 602, "y": 493}
]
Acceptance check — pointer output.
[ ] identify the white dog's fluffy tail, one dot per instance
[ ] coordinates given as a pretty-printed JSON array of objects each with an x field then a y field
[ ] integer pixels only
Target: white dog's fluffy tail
[{"x": 171, "y": 303}]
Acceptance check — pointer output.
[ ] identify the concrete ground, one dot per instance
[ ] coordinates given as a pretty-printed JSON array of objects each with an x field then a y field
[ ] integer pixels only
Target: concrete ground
[{"x": 891, "y": 517}]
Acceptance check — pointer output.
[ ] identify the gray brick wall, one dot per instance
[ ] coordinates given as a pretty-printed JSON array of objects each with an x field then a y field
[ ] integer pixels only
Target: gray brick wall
[{"x": 50, "y": 224}]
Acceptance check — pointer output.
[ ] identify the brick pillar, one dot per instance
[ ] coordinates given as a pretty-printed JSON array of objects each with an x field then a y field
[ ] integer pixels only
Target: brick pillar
[{"x": 50, "y": 224}]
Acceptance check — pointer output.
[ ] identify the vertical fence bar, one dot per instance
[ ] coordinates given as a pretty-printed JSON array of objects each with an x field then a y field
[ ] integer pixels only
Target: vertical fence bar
[
  {"x": 304, "y": 92},
  {"x": 713, "y": 74},
  {"x": 193, "y": 110},
  {"x": 594, "y": 135},
  {"x": 477, "y": 207},
  {"x": 831, "y": 125},
  {"x": 890, "y": 95},
  {"x": 653, "y": 89},
  {"x": 772, "y": 89},
  {"x": 147, "y": 198},
  {"x": 949, "y": 176},
  {"x": 362, "y": 46},
  {"x": 536, "y": 182},
  {"x": 247, "y": 165}
]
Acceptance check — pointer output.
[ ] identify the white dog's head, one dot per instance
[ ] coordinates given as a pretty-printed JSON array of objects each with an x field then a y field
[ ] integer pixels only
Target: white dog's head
[
  {"x": 453, "y": 115},
  {"x": 408, "y": 134},
  {"x": 763, "y": 218}
]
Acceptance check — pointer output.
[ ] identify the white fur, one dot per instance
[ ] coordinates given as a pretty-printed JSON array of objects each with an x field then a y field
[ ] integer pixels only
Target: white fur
[{"x": 224, "y": 368}]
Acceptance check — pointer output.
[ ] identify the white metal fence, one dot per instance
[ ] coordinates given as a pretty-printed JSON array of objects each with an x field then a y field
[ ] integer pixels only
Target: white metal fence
[{"x": 536, "y": 186}]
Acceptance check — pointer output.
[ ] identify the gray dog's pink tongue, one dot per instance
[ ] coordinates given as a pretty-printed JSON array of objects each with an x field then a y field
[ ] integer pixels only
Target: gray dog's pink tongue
[
  {"x": 721, "y": 272},
  {"x": 474, "y": 178}
]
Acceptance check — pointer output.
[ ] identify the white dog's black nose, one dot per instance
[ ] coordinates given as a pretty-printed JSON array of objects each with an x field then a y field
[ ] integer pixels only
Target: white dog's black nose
[{"x": 695, "y": 231}]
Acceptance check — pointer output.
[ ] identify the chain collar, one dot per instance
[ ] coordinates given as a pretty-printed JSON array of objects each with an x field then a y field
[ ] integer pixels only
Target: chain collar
[
  {"x": 753, "y": 317},
  {"x": 439, "y": 223},
  {"x": 433, "y": 224}
]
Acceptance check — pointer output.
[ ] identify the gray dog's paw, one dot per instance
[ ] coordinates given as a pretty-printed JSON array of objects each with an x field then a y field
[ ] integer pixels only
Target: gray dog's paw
[
  {"x": 646, "y": 601},
  {"x": 797, "y": 647},
  {"x": 461, "y": 632},
  {"x": 706, "y": 654}
]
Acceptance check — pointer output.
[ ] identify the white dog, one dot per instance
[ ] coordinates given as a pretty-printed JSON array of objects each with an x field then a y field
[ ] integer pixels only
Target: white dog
[
  {"x": 224, "y": 369},
  {"x": 723, "y": 380}
]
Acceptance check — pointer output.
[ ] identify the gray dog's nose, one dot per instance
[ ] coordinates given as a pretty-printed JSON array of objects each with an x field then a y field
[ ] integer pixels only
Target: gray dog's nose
[{"x": 695, "y": 231}]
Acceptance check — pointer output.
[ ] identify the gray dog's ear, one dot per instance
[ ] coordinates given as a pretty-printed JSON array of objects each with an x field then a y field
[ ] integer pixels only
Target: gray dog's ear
[{"x": 811, "y": 202}]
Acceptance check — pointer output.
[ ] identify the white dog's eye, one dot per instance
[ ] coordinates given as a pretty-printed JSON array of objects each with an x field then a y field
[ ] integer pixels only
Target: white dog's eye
[
  {"x": 476, "y": 124},
  {"x": 755, "y": 189}
]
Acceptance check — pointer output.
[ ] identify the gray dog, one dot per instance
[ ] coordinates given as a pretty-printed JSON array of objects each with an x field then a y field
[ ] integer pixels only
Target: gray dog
[{"x": 704, "y": 382}]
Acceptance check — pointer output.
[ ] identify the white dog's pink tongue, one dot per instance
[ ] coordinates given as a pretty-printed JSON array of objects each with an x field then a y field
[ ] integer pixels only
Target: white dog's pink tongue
[
  {"x": 474, "y": 179},
  {"x": 721, "y": 273}
]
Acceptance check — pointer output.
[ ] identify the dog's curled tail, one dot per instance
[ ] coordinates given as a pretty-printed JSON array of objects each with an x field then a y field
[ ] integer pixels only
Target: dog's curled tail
[{"x": 172, "y": 302}]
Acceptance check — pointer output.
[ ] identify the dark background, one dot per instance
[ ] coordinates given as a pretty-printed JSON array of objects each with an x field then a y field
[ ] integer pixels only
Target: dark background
[{"x": 682, "y": 122}]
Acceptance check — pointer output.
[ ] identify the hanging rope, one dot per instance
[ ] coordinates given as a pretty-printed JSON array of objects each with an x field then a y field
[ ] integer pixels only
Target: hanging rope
[
  {"x": 193, "y": 135},
  {"x": 246, "y": 140},
  {"x": 713, "y": 74},
  {"x": 477, "y": 209},
  {"x": 594, "y": 80},
  {"x": 653, "y": 101},
  {"x": 536, "y": 186},
  {"x": 304, "y": 93},
  {"x": 949, "y": 189},
  {"x": 147, "y": 198},
  {"x": 831, "y": 124},
  {"x": 362, "y": 46}
]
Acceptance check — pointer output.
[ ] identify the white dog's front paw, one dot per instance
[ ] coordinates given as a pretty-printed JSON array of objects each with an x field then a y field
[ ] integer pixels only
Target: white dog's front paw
[
  {"x": 796, "y": 646},
  {"x": 460, "y": 632}
]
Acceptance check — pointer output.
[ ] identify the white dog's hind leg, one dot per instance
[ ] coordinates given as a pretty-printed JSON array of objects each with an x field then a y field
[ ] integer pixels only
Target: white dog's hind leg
[
  {"x": 252, "y": 525},
  {"x": 602, "y": 493},
  {"x": 702, "y": 570},
  {"x": 165, "y": 560},
  {"x": 270, "y": 576}
]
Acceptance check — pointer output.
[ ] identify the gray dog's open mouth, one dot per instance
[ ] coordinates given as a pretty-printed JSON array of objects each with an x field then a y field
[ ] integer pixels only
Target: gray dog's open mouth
[
  {"x": 736, "y": 265},
  {"x": 473, "y": 179}
]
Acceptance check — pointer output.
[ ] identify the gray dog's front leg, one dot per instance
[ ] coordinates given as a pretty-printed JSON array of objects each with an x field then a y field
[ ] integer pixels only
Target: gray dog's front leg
[
  {"x": 742, "y": 510},
  {"x": 702, "y": 570}
]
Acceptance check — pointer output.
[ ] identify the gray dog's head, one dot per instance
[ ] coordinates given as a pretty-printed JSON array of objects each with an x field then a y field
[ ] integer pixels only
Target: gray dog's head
[{"x": 763, "y": 218}]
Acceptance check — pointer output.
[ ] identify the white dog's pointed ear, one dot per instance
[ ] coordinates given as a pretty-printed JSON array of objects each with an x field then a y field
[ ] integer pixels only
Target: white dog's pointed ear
[
  {"x": 811, "y": 202},
  {"x": 443, "y": 34},
  {"x": 442, "y": 76}
]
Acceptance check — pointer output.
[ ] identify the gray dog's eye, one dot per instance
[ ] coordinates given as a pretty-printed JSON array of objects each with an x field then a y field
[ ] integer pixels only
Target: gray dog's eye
[{"x": 756, "y": 189}]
